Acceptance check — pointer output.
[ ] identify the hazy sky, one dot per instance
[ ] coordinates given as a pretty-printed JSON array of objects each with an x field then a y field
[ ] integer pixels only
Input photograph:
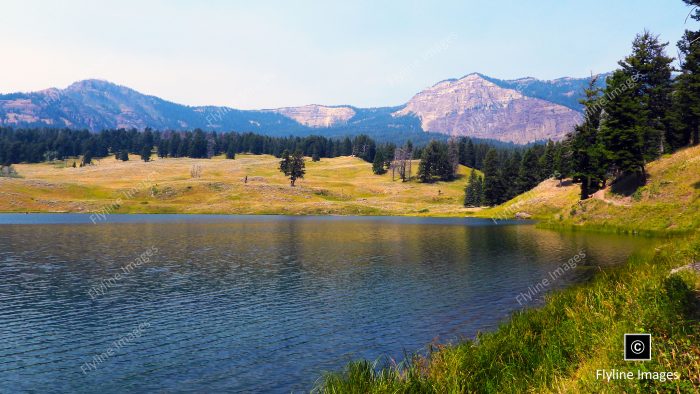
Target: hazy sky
[{"x": 264, "y": 54}]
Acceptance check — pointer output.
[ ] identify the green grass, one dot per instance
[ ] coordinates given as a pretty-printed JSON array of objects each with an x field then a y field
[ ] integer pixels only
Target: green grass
[{"x": 559, "y": 346}]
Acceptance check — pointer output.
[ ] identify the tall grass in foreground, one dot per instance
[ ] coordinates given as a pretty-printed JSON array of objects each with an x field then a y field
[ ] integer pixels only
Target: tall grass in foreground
[{"x": 559, "y": 347}]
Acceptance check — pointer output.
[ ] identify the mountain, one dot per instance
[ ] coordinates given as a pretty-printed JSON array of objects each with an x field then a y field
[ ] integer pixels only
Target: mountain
[
  {"x": 517, "y": 111},
  {"x": 473, "y": 106}
]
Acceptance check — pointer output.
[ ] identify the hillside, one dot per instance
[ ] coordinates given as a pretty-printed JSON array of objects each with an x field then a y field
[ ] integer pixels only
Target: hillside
[
  {"x": 668, "y": 203},
  {"x": 342, "y": 185},
  {"x": 474, "y": 106}
]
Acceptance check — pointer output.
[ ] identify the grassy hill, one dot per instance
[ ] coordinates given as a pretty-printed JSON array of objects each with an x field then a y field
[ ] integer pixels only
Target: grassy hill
[
  {"x": 669, "y": 203},
  {"x": 342, "y": 185}
]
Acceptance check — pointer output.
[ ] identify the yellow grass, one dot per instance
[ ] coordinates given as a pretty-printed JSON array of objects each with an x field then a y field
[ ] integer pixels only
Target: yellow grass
[
  {"x": 669, "y": 202},
  {"x": 343, "y": 185},
  {"x": 542, "y": 202}
]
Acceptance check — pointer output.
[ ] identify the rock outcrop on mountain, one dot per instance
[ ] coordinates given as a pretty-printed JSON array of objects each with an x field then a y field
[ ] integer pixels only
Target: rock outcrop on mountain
[
  {"x": 314, "y": 115},
  {"x": 518, "y": 111},
  {"x": 473, "y": 106}
]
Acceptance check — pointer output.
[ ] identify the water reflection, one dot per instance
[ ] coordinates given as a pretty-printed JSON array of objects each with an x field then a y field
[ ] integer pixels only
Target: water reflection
[{"x": 258, "y": 303}]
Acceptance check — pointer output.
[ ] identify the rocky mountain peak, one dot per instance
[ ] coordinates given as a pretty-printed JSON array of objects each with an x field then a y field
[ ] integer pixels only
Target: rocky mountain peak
[{"x": 476, "y": 107}]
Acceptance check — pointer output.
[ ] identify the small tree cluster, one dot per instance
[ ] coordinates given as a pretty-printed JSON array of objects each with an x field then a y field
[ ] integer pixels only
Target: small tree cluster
[{"x": 436, "y": 162}]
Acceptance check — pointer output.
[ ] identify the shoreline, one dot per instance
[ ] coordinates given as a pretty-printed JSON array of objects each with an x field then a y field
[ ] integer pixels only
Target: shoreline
[{"x": 560, "y": 345}]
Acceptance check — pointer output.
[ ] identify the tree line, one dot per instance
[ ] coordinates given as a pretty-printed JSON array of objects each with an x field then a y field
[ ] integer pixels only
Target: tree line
[{"x": 37, "y": 145}]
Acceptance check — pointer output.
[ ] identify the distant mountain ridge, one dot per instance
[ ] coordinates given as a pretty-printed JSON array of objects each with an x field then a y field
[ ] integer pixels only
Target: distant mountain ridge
[{"x": 518, "y": 111}]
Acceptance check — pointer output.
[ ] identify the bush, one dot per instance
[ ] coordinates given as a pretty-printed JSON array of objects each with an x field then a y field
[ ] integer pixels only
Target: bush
[{"x": 8, "y": 172}]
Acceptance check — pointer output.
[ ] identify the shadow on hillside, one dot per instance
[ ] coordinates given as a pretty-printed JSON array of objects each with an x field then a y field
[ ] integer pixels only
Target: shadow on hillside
[
  {"x": 696, "y": 185},
  {"x": 626, "y": 185}
]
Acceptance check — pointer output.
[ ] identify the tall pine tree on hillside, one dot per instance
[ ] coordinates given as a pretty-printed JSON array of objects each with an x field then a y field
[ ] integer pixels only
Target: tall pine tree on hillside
[
  {"x": 637, "y": 107},
  {"x": 585, "y": 145},
  {"x": 686, "y": 98},
  {"x": 493, "y": 187}
]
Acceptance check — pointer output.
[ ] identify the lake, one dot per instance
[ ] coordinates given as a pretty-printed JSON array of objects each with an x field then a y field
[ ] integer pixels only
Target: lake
[{"x": 180, "y": 303}]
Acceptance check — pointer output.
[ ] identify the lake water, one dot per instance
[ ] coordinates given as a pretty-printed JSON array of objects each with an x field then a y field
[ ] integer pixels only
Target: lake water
[{"x": 256, "y": 303}]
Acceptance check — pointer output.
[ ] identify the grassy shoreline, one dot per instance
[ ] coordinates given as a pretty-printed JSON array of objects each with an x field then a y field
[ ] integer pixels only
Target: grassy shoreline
[{"x": 559, "y": 346}]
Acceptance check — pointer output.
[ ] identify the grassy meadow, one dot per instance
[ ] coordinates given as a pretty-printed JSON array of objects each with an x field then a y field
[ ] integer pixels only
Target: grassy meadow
[{"x": 337, "y": 186}]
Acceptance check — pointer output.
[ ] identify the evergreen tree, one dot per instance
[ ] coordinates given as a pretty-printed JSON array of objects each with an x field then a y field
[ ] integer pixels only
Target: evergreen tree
[
  {"x": 686, "y": 98},
  {"x": 586, "y": 145},
  {"x": 198, "y": 148},
  {"x": 378, "y": 165},
  {"x": 473, "y": 191},
  {"x": 436, "y": 162},
  {"x": 528, "y": 176},
  {"x": 546, "y": 162},
  {"x": 146, "y": 153},
  {"x": 293, "y": 166},
  {"x": 174, "y": 145},
  {"x": 124, "y": 155},
  {"x": 231, "y": 151},
  {"x": 510, "y": 170},
  {"x": 470, "y": 155},
  {"x": 493, "y": 187},
  {"x": 637, "y": 107},
  {"x": 87, "y": 159},
  {"x": 562, "y": 161}
]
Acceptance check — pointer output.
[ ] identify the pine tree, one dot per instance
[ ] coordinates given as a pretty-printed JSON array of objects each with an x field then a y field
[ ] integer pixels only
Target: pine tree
[
  {"x": 146, "y": 153},
  {"x": 231, "y": 151},
  {"x": 87, "y": 159},
  {"x": 493, "y": 187},
  {"x": 528, "y": 176},
  {"x": 199, "y": 147},
  {"x": 637, "y": 107},
  {"x": 378, "y": 164},
  {"x": 590, "y": 165},
  {"x": 686, "y": 98},
  {"x": 546, "y": 162},
  {"x": 473, "y": 191},
  {"x": 293, "y": 166},
  {"x": 509, "y": 172},
  {"x": 124, "y": 155},
  {"x": 436, "y": 161}
]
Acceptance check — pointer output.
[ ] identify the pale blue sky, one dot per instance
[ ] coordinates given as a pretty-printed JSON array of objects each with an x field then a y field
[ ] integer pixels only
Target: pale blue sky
[{"x": 264, "y": 54}]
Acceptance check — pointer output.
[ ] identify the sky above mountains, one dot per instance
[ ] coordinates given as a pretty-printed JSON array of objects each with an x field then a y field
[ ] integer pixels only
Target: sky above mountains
[{"x": 274, "y": 54}]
